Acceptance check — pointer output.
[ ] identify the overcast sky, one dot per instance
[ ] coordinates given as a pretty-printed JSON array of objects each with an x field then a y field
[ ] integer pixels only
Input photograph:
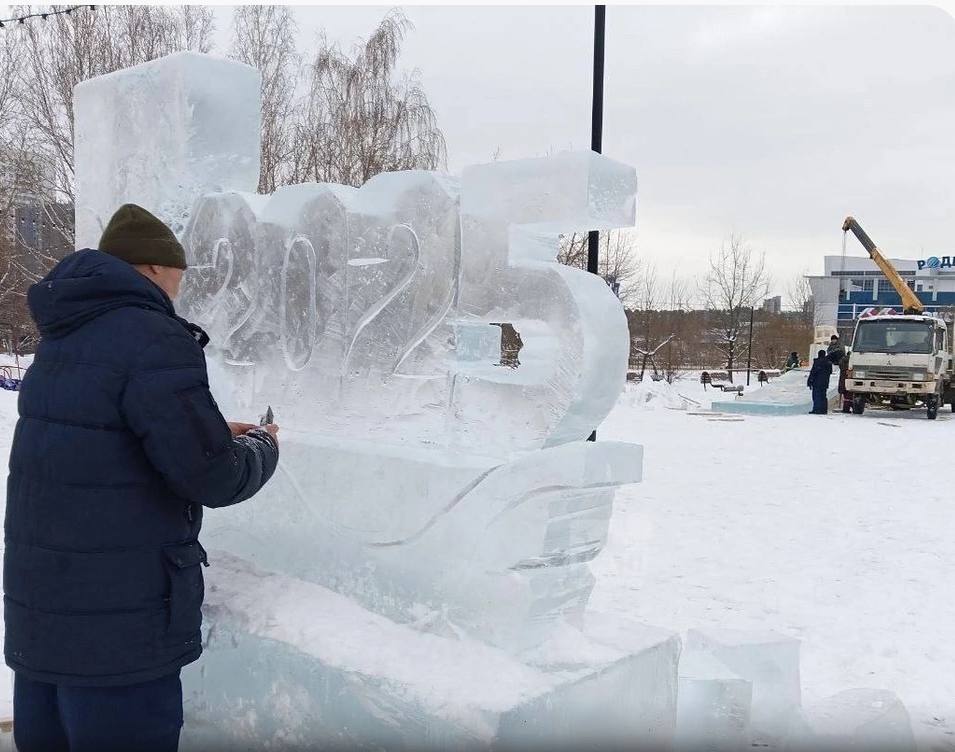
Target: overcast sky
[{"x": 771, "y": 122}]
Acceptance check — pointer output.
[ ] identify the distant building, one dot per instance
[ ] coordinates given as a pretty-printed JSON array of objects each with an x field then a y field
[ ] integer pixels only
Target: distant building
[
  {"x": 42, "y": 234},
  {"x": 850, "y": 285},
  {"x": 774, "y": 304},
  {"x": 36, "y": 235}
]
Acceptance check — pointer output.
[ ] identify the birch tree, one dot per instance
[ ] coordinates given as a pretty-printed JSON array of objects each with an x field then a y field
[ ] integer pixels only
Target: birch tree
[{"x": 362, "y": 116}]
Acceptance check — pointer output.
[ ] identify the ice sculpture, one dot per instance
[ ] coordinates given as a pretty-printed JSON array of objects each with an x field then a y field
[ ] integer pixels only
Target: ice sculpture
[
  {"x": 354, "y": 315},
  {"x": 161, "y": 134},
  {"x": 416, "y": 575},
  {"x": 436, "y": 374},
  {"x": 785, "y": 395}
]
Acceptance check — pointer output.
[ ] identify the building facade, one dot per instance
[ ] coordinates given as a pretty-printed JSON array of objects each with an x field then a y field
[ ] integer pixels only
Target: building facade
[
  {"x": 34, "y": 237},
  {"x": 853, "y": 285},
  {"x": 774, "y": 304},
  {"x": 43, "y": 234}
]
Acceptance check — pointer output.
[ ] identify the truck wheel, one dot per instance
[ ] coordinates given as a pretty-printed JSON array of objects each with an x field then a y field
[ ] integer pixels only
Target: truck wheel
[
  {"x": 931, "y": 408},
  {"x": 858, "y": 404}
]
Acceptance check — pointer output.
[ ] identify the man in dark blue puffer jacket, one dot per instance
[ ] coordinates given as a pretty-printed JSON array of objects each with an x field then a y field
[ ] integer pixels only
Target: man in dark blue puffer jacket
[{"x": 118, "y": 447}]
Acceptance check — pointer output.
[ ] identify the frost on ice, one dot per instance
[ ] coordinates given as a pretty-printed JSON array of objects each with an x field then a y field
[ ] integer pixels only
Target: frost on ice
[
  {"x": 160, "y": 135},
  {"x": 361, "y": 317},
  {"x": 416, "y": 574}
]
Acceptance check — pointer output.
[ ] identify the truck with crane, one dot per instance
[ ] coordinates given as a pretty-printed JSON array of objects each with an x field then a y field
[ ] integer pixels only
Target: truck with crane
[{"x": 900, "y": 361}]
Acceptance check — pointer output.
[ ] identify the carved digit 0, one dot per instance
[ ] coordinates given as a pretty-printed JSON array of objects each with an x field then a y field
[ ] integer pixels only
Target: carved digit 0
[{"x": 299, "y": 334}]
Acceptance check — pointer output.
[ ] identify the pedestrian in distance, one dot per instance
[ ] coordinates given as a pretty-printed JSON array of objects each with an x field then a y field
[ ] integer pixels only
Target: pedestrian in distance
[
  {"x": 118, "y": 447},
  {"x": 818, "y": 381},
  {"x": 835, "y": 352},
  {"x": 792, "y": 361}
]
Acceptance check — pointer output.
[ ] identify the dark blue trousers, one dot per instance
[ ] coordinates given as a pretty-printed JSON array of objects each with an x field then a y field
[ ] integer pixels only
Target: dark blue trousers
[
  {"x": 819, "y": 402},
  {"x": 136, "y": 718}
]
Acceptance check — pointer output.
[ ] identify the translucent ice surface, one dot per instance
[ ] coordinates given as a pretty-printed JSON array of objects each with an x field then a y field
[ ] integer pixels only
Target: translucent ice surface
[
  {"x": 785, "y": 395},
  {"x": 857, "y": 719},
  {"x": 161, "y": 134},
  {"x": 770, "y": 662},
  {"x": 382, "y": 313},
  {"x": 291, "y": 665},
  {"x": 511, "y": 216},
  {"x": 714, "y": 706},
  {"x": 501, "y": 549}
]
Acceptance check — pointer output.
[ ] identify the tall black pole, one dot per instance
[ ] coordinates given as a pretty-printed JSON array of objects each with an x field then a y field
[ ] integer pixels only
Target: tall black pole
[
  {"x": 597, "y": 119},
  {"x": 749, "y": 351},
  {"x": 597, "y": 129}
]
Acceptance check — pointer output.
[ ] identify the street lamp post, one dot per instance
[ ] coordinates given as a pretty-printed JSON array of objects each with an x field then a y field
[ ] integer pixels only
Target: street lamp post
[
  {"x": 596, "y": 130},
  {"x": 749, "y": 351},
  {"x": 597, "y": 119}
]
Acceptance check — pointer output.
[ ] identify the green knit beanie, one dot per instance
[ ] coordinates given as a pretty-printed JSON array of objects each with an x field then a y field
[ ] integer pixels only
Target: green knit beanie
[{"x": 137, "y": 237}]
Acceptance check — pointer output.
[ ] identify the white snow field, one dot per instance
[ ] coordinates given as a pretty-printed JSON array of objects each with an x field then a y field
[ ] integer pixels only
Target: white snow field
[{"x": 833, "y": 530}]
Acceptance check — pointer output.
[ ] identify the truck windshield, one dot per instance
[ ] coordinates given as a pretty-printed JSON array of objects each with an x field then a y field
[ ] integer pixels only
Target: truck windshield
[{"x": 893, "y": 337}]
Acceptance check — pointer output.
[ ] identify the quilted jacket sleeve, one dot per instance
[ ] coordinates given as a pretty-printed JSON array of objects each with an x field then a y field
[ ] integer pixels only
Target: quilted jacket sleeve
[{"x": 167, "y": 404}]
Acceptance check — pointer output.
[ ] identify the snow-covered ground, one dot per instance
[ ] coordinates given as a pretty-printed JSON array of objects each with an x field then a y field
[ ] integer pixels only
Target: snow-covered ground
[{"x": 836, "y": 530}]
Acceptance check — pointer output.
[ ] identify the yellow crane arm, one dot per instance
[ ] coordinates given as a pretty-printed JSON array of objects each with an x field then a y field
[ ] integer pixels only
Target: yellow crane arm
[{"x": 910, "y": 301}]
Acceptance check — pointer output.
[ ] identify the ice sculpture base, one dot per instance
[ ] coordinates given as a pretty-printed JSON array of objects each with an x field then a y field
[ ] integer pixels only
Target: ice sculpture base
[
  {"x": 786, "y": 395},
  {"x": 290, "y": 664},
  {"x": 500, "y": 547}
]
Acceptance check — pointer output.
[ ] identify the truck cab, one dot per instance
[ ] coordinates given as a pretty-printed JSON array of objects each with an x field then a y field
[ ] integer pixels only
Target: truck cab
[{"x": 900, "y": 361}]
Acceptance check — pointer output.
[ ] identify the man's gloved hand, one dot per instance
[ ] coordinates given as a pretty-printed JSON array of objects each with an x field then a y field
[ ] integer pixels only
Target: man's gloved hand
[{"x": 239, "y": 429}]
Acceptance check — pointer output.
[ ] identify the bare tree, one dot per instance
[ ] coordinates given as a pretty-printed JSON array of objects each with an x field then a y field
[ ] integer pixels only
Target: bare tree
[
  {"x": 779, "y": 335},
  {"x": 644, "y": 330},
  {"x": 646, "y": 292},
  {"x": 9, "y": 58},
  {"x": 573, "y": 250},
  {"x": 799, "y": 295},
  {"x": 736, "y": 280},
  {"x": 15, "y": 169},
  {"x": 619, "y": 265},
  {"x": 617, "y": 260},
  {"x": 648, "y": 357},
  {"x": 40, "y": 63},
  {"x": 263, "y": 36},
  {"x": 197, "y": 25},
  {"x": 17, "y": 174},
  {"x": 662, "y": 329},
  {"x": 676, "y": 356},
  {"x": 61, "y": 52},
  {"x": 8, "y": 272},
  {"x": 360, "y": 117},
  {"x": 677, "y": 295}
]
